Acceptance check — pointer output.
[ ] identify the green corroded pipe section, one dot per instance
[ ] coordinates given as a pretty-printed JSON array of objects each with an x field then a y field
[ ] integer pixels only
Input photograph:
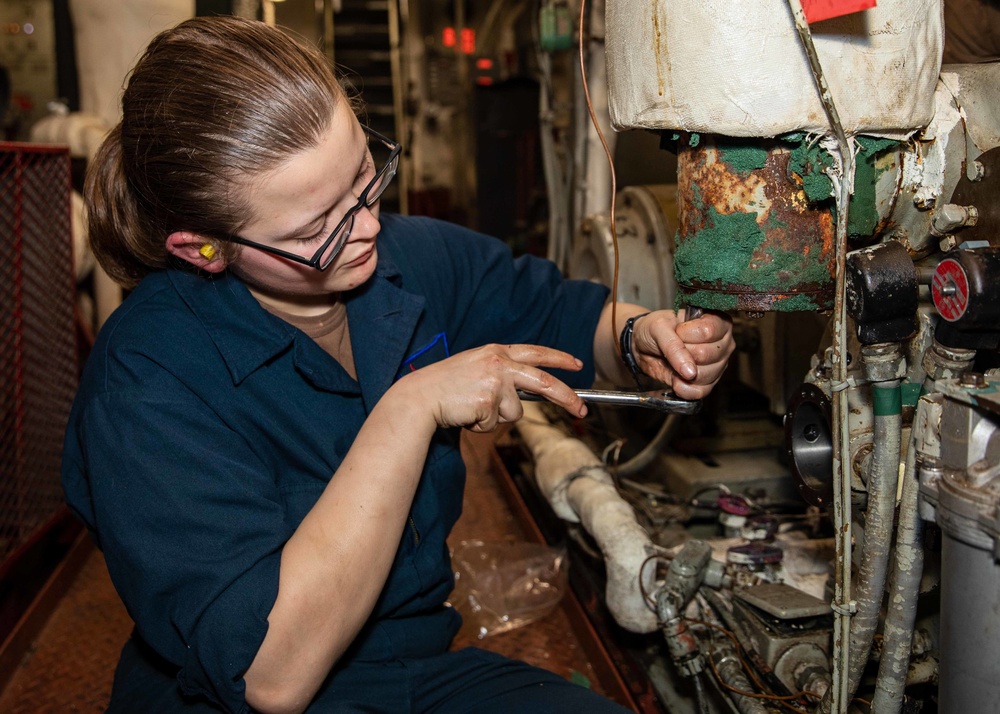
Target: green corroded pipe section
[{"x": 757, "y": 221}]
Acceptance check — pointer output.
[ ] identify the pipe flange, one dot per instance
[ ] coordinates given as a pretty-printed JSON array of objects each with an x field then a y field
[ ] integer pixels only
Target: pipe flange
[
  {"x": 968, "y": 513},
  {"x": 882, "y": 362},
  {"x": 809, "y": 444},
  {"x": 942, "y": 362}
]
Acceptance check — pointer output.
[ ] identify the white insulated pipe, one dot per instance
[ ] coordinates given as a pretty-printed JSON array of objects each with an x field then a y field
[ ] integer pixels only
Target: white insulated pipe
[{"x": 580, "y": 490}]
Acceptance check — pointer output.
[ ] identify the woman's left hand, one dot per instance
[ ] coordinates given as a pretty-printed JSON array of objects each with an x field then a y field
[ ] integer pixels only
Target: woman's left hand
[{"x": 688, "y": 356}]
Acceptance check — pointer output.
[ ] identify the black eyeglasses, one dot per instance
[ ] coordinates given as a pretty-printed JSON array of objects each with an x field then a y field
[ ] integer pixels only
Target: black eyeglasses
[{"x": 332, "y": 246}]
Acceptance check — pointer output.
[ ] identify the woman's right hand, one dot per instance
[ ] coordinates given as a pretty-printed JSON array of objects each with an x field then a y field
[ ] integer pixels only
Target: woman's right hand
[{"x": 477, "y": 389}]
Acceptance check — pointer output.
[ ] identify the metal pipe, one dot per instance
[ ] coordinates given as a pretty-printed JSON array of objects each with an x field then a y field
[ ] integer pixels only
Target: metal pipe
[
  {"x": 574, "y": 481},
  {"x": 730, "y": 671},
  {"x": 844, "y": 184},
  {"x": 663, "y": 436},
  {"x": 397, "y": 72},
  {"x": 686, "y": 574},
  {"x": 904, "y": 586},
  {"x": 560, "y": 233},
  {"x": 595, "y": 186},
  {"x": 699, "y": 696},
  {"x": 879, "y": 362},
  {"x": 970, "y": 603}
]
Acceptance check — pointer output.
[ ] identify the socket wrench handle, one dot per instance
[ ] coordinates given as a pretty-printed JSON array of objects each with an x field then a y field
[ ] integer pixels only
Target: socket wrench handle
[{"x": 658, "y": 399}]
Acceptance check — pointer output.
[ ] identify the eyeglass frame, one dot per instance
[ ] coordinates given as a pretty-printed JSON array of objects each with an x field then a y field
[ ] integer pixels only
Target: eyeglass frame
[{"x": 395, "y": 149}]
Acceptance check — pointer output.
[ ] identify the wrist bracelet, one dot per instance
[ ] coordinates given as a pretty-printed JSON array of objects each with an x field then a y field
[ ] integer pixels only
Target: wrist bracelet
[{"x": 625, "y": 342}]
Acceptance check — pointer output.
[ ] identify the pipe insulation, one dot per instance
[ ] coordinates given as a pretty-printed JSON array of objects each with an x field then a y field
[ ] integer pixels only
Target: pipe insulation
[
  {"x": 578, "y": 486},
  {"x": 883, "y": 479},
  {"x": 904, "y": 584}
]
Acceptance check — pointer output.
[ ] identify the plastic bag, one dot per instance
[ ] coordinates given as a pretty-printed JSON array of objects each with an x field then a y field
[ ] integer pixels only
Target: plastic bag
[{"x": 500, "y": 586}]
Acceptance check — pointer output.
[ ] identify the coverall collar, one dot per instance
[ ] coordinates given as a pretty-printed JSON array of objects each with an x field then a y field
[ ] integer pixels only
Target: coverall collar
[
  {"x": 382, "y": 318},
  {"x": 381, "y": 314}
]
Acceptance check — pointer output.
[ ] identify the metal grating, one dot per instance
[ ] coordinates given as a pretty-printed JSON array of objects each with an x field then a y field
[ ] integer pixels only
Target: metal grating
[{"x": 38, "y": 350}]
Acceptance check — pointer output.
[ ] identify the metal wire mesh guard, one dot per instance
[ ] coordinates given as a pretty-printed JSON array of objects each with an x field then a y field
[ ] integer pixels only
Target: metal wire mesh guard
[{"x": 38, "y": 351}]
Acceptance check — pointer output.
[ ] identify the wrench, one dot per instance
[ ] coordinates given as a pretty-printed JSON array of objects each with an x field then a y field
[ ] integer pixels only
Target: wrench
[{"x": 658, "y": 399}]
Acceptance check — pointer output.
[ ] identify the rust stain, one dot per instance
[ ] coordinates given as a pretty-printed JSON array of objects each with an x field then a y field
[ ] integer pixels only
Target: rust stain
[
  {"x": 658, "y": 50},
  {"x": 790, "y": 226}
]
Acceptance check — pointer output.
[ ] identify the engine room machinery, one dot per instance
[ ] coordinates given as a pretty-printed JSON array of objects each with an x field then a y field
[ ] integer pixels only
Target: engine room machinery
[
  {"x": 824, "y": 536},
  {"x": 835, "y": 182}
]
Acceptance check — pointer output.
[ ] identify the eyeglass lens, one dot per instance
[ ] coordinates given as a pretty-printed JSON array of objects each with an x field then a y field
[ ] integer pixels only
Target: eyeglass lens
[{"x": 374, "y": 192}]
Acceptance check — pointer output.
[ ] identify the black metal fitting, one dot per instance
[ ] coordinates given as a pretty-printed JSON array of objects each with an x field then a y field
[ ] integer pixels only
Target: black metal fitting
[
  {"x": 882, "y": 293},
  {"x": 966, "y": 293},
  {"x": 809, "y": 444}
]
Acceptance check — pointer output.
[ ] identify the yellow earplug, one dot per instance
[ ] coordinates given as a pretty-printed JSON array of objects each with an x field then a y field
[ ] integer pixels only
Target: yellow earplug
[{"x": 207, "y": 251}]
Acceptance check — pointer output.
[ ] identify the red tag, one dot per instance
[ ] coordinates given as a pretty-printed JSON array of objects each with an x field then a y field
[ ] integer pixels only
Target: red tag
[
  {"x": 817, "y": 10},
  {"x": 950, "y": 289}
]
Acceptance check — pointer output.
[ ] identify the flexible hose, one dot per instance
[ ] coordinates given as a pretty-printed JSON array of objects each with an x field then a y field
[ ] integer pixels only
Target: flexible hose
[
  {"x": 663, "y": 436},
  {"x": 904, "y": 588},
  {"x": 895, "y": 669},
  {"x": 883, "y": 478}
]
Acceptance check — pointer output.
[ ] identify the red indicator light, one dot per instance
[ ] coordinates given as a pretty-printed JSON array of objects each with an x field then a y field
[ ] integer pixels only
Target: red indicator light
[{"x": 468, "y": 40}]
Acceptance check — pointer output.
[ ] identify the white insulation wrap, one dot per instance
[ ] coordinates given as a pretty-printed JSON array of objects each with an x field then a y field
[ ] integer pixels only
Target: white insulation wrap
[
  {"x": 579, "y": 489},
  {"x": 738, "y": 68}
]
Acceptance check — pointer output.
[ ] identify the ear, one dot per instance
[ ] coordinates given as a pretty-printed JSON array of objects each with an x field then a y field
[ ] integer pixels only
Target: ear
[{"x": 187, "y": 246}]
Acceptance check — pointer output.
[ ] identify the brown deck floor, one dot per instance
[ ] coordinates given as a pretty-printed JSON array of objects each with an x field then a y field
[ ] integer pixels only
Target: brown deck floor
[{"x": 69, "y": 666}]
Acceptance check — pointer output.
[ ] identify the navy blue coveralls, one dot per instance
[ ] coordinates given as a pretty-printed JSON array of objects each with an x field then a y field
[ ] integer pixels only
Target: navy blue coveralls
[{"x": 205, "y": 429}]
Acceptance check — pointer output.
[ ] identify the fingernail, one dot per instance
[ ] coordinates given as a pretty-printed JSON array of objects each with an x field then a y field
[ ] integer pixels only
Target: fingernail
[
  {"x": 689, "y": 371},
  {"x": 579, "y": 362}
]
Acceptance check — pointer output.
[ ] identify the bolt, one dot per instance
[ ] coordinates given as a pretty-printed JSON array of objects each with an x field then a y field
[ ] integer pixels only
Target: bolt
[
  {"x": 978, "y": 171},
  {"x": 951, "y": 217},
  {"x": 947, "y": 243},
  {"x": 924, "y": 198}
]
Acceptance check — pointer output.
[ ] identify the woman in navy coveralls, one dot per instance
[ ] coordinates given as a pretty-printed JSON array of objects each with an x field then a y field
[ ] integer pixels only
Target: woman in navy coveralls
[{"x": 264, "y": 443}]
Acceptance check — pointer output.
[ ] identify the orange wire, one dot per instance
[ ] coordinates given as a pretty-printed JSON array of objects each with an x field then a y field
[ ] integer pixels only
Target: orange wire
[
  {"x": 780, "y": 699},
  {"x": 614, "y": 188}
]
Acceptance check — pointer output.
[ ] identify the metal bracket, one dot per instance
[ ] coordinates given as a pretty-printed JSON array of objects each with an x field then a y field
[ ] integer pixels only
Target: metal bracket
[{"x": 848, "y": 608}]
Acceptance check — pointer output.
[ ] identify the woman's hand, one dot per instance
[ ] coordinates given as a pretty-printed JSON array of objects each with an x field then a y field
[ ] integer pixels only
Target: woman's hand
[
  {"x": 477, "y": 389},
  {"x": 689, "y": 357}
]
